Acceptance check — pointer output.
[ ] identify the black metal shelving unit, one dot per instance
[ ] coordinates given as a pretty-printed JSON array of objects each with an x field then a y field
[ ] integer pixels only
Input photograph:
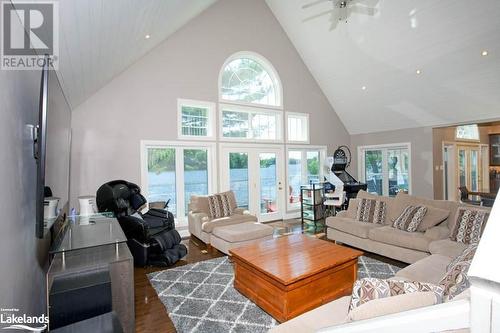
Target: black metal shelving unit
[{"x": 311, "y": 204}]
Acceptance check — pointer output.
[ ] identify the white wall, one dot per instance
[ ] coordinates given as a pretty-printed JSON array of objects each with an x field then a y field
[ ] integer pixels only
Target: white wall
[
  {"x": 421, "y": 154},
  {"x": 141, "y": 102}
]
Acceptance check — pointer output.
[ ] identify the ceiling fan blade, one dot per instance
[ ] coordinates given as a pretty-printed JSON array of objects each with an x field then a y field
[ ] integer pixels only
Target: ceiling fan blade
[
  {"x": 314, "y": 3},
  {"x": 318, "y": 15},
  {"x": 365, "y": 10}
]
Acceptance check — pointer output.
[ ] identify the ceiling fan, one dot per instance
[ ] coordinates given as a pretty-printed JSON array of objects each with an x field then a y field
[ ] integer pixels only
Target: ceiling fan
[{"x": 342, "y": 9}]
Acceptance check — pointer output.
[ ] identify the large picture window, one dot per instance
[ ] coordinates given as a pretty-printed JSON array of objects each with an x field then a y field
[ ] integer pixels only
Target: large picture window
[
  {"x": 174, "y": 171},
  {"x": 386, "y": 168}
]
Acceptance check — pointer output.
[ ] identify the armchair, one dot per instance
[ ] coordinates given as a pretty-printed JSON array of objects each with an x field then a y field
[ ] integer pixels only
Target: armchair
[{"x": 201, "y": 224}]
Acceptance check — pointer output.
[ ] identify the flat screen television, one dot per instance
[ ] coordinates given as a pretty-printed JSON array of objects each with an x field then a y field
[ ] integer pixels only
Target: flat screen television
[{"x": 52, "y": 152}]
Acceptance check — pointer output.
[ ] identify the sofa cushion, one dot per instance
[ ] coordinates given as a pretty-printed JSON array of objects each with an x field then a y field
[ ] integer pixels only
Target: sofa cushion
[
  {"x": 242, "y": 232},
  {"x": 410, "y": 218},
  {"x": 393, "y": 208},
  {"x": 352, "y": 208},
  {"x": 350, "y": 226},
  {"x": 430, "y": 269},
  {"x": 199, "y": 204},
  {"x": 394, "y": 304},
  {"x": 451, "y": 206},
  {"x": 209, "y": 225},
  {"x": 368, "y": 289},
  {"x": 390, "y": 235},
  {"x": 433, "y": 217},
  {"x": 447, "y": 247},
  {"x": 330, "y": 314},
  {"x": 466, "y": 255},
  {"x": 371, "y": 211},
  {"x": 469, "y": 226}
]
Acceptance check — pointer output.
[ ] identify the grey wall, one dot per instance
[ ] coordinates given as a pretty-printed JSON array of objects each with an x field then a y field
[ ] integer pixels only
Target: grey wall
[
  {"x": 141, "y": 103},
  {"x": 421, "y": 154},
  {"x": 22, "y": 256}
]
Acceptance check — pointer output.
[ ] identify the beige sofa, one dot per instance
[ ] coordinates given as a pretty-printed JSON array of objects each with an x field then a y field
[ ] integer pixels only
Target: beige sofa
[
  {"x": 430, "y": 269},
  {"x": 201, "y": 225},
  {"x": 409, "y": 247}
]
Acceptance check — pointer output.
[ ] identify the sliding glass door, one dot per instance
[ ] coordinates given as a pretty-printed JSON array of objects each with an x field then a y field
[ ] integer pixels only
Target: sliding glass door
[
  {"x": 255, "y": 176},
  {"x": 385, "y": 169},
  {"x": 175, "y": 171}
]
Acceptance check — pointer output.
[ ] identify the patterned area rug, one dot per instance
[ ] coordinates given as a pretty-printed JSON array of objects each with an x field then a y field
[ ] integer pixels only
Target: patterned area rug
[{"x": 200, "y": 297}]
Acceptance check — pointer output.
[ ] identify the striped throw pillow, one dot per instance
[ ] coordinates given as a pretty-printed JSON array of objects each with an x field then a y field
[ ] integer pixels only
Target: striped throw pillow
[
  {"x": 469, "y": 225},
  {"x": 410, "y": 218},
  {"x": 219, "y": 205},
  {"x": 371, "y": 211}
]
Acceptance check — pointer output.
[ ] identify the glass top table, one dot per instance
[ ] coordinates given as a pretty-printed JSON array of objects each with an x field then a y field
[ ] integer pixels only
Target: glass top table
[{"x": 82, "y": 232}]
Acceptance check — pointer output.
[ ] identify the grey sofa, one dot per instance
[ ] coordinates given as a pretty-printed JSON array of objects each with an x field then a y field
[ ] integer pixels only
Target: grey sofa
[{"x": 390, "y": 242}]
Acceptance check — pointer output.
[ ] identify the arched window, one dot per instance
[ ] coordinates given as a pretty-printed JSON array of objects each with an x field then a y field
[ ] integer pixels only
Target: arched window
[{"x": 248, "y": 78}]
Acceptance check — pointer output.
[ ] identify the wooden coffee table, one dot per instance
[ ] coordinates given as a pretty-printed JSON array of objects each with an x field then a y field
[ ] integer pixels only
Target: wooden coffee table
[{"x": 290, "y": 275}]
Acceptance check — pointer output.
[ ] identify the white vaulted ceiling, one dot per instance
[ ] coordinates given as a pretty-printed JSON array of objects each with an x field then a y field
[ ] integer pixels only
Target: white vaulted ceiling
[
  {"x": 443, "y": 39},
  {"x": 101, "y": 38}
]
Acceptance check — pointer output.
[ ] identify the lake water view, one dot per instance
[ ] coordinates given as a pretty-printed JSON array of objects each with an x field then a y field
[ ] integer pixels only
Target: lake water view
[{"x": 162, "y": 185}]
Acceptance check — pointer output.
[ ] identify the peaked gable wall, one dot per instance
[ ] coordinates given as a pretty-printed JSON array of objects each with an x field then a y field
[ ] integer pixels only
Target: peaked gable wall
[{"x": 141, "y": 103}]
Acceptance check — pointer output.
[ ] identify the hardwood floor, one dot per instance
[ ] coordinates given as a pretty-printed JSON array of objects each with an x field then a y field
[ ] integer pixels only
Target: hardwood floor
[{"x": 150, "y": 313}]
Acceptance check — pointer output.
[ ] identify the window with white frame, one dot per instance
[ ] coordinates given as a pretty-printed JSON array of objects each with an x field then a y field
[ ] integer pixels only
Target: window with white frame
[
  {"x": 196, "y": 119},
  {"x": 304, "y": 166},
  {"x": 248, "y": 78},
  {"x": 467, "y": 132},
  {"x": 386, "y": 169},
  {"x": 243, "y": 123},
  {"x": 297, "y": 127},
  {"x": 175, "y": 170}
]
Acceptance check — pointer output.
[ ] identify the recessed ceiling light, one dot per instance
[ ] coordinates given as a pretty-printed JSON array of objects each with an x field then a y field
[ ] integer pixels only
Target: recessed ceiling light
[
  {"x": 484, "y": 53},
  {"x": 363, "y": 88},
  {"x": 418, "y": 71},
  {"x": 147, "y": 36}
]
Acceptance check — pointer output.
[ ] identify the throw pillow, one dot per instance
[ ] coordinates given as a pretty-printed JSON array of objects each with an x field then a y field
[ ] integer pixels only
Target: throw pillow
[
  {"x": 466, "y": 255},
  {"x": 367, "y": 289},
  {"x": 352, "y": 209},
  {"x": 410, "y": 218},
  {"x": 393, "y": 304},
  {"x": 372, "y": 211},
  {"x": 469, "y": 225},
  {"x": 455, "y": 280},
  {"x": 220, "y": 205}
]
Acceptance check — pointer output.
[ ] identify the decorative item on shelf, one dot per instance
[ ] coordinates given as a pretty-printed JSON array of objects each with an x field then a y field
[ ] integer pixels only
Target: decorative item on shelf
[
  {"x": 311, "y": 203},
  {"x": 50, "y": 207},
  {"x": 87, "y": 205}
]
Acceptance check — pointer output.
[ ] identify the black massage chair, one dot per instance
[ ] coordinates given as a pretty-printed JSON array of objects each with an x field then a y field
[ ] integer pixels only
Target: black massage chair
[{"x": 152, "y": 237}]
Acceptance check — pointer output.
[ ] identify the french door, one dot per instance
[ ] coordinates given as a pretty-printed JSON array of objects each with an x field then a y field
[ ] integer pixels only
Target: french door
[
  {"x": 255, "y": 175},
  {"x": 469, "y": 167}
]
